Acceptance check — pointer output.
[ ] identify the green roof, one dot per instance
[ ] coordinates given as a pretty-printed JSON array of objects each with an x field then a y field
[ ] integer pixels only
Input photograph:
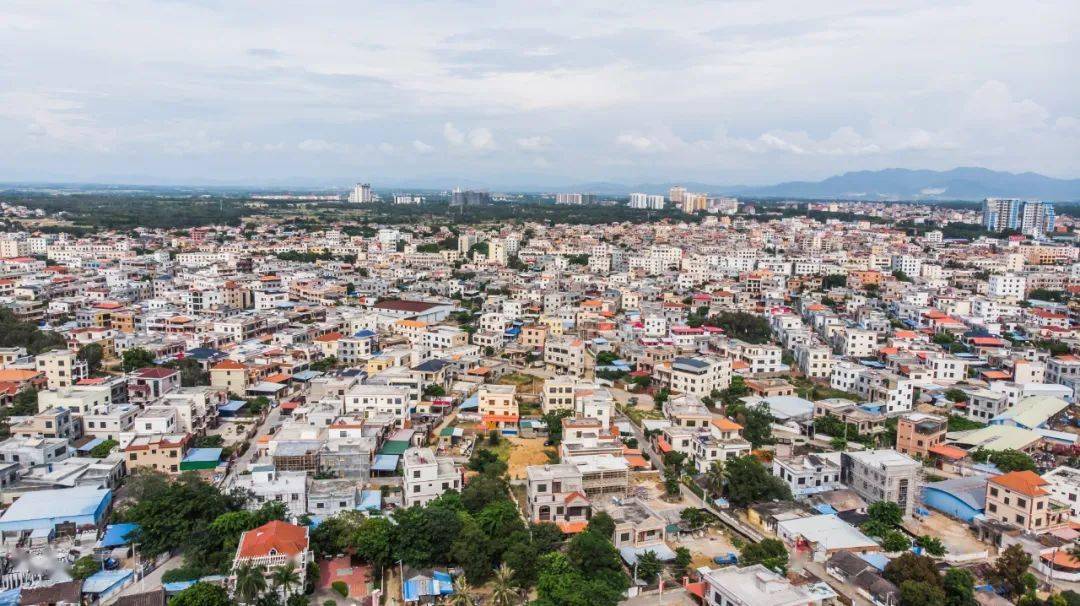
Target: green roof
[{"x": 394, "y": 447}]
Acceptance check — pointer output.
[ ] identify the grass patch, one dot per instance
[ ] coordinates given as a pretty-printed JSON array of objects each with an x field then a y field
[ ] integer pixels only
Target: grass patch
[
  {"x": 516, "y": 378},
  {"x": 958, "y": 423}
]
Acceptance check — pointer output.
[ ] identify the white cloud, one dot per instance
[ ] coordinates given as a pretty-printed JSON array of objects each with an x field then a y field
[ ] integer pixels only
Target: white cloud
[
  {"x": 320, "y": 146},
  {"x": 477, "y": 139},
  {"x": 640, "y": 143},
  {"x": 452, "y": 134},
  {"x": 481, "y": 139},
  {"x": 993, "y": 104},
  {"x": 536, "y": 143},
  {"x": 422, "y": 148}
]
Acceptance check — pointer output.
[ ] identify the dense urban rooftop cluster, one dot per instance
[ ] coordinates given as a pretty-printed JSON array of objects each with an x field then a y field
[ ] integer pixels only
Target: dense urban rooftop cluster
[{"x": 732, "y": 403}]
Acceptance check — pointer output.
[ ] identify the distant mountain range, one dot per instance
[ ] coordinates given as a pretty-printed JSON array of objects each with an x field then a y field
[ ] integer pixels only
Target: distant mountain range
[{"x": 888, "y": 184}]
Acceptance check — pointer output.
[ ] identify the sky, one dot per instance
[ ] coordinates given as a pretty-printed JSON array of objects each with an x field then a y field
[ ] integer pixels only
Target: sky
[{"x": 505, "y": 94}]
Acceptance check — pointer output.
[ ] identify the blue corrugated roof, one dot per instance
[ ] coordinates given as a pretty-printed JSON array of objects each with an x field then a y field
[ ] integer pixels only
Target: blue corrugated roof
[
  {"x": 203, "y": 454},
  {"x": 385, "y": 462},
  {"x": 104, "y": 580},
  {"x": 117, "y": 535}
]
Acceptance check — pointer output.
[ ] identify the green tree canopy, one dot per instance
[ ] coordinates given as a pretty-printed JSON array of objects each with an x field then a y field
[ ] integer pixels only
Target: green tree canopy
[{"x": 748, "y": 481}]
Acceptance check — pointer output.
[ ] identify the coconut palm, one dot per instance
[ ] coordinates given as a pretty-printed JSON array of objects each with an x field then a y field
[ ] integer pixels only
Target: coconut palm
[
  {"x": 250, "y": 582},
  {"x": 285, "y": 577},
  {"x": 503, "y": 592},
  {"x": 463, "y": 594},
  {"x": 714, "y": 477}
]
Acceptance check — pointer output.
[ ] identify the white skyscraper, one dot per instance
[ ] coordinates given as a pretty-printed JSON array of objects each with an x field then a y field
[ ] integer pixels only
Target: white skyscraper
[{"x": 361, "y": 194}]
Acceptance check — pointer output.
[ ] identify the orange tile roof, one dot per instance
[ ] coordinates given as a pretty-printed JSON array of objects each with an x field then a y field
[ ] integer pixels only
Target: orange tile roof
[
  {"x": 328, "y": 337},
  {"x": 726, "y": 424},
  {"x": 949, "y": 452},
  {"x": 277, "y": 536},
  {"x": 1025, "y": 482},
  {"x": 572, "y": 527},
  {"x": 228, "y": 365},
  {"x": 17, "y": 375}
]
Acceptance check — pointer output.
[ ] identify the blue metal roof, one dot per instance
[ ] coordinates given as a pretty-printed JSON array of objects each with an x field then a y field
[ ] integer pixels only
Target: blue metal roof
[
  {"x": 117, "y": 535},
  {"x": 385, "y": 462},
  {"x": 203, "y": 454},
  {"x": 371, "y": 500},
  {"x": 105, "y": 580},
  {"x": 232, "y": 405},
  {"x": 47, "y": 508}
]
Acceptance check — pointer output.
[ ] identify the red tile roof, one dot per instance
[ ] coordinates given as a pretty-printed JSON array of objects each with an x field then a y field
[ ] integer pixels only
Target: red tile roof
[{"x": 277, "y": 536}]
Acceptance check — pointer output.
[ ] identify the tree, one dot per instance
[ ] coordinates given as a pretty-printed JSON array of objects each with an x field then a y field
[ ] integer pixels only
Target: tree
[
  {"x": 757, "y": 425},
  {"x": 748, "y": 482},
  {"x": 136, "y": 358},
  {"x": 769, "y": 552},
  {"x": 714, "y": 478},
  {"x": 553, "y": 420},
  {"x": 1009, "y": 570},
  {"x": 472, "y": 551},
  {"x": 285, "y": 577},
  {"x": 373, "y": 541},
  {"x": 16, "y": 333},
  {"x": 92, "y": 354},
  {"x": 25, "y": 403},
  {"x": 102, "y": 450},
  {"x": 463, "y": 593},
  {"x": 84, "y": 567},
  {"x": 594, "y": 552},
  {"x": 894, "y": 540},
  {"x": 503, "y": 591},
  {"x": 959, "y": 585},
  {"x": 434, "y": 391},
  {"x": 911, "y": 567},
  {"x": 202, "y": 594},
  {"x": 681, "y": 565},
  {"x": 648, "y": 566},
  {"x": 171, "y": 513},
  {"x": 883, "y": 516},
  {"x": 915, "y": 593},
  {"x": 250, "y": 582},
  {"x": 694, "y": 517},
  {"x": 932, "y": 545},
  {"x": 602, "y": 524},
  {"x": 741, "y": 325},
  {"x": 832, "y": 281}
]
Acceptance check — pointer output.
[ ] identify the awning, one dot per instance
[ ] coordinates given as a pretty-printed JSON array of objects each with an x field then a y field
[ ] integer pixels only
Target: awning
[
  {"x": 385, "y": 462},
  {"x": 630, "y": 555},
  {"x": 117, "y": 535}
]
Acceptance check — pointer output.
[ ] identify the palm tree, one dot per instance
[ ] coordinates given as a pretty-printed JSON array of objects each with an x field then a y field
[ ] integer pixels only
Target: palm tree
[
  {"x": 285, "y": 577},
  {"x": 715, "y": 477},
  {"x": 250, "y": 582},
  {"x": 463, "y": 595},
  {"x": 503, "y": 592}
]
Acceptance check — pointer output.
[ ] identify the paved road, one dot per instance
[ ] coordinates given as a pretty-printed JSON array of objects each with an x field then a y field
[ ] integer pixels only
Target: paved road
[
  {"x": 153, "y": 580},
  {"x": 244, "y": 461}
]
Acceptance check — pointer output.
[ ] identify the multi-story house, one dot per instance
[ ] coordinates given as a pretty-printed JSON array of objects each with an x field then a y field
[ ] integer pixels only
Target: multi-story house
[
  {"x": 266, "y": 484},
  {"x": 498, "y": 407},
  {"x": 809, "y": 474},
  {"x": 1024, "y": 499},
  {"x": 882, "y": 475},
  {"x": 62, "y": 368},
  {"x": 158, "y": 452},
  {"x": 555, "y": 494},
  {"x": 426, "y": 476},
  {"x": 917, "y": 432},
  {"x": 372, "y": 400},
  {"x": 273, "y": 545}
]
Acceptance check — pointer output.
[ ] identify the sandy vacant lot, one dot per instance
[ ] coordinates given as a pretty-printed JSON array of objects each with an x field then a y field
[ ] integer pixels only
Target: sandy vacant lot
[{"x": 525, "y": 452}]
